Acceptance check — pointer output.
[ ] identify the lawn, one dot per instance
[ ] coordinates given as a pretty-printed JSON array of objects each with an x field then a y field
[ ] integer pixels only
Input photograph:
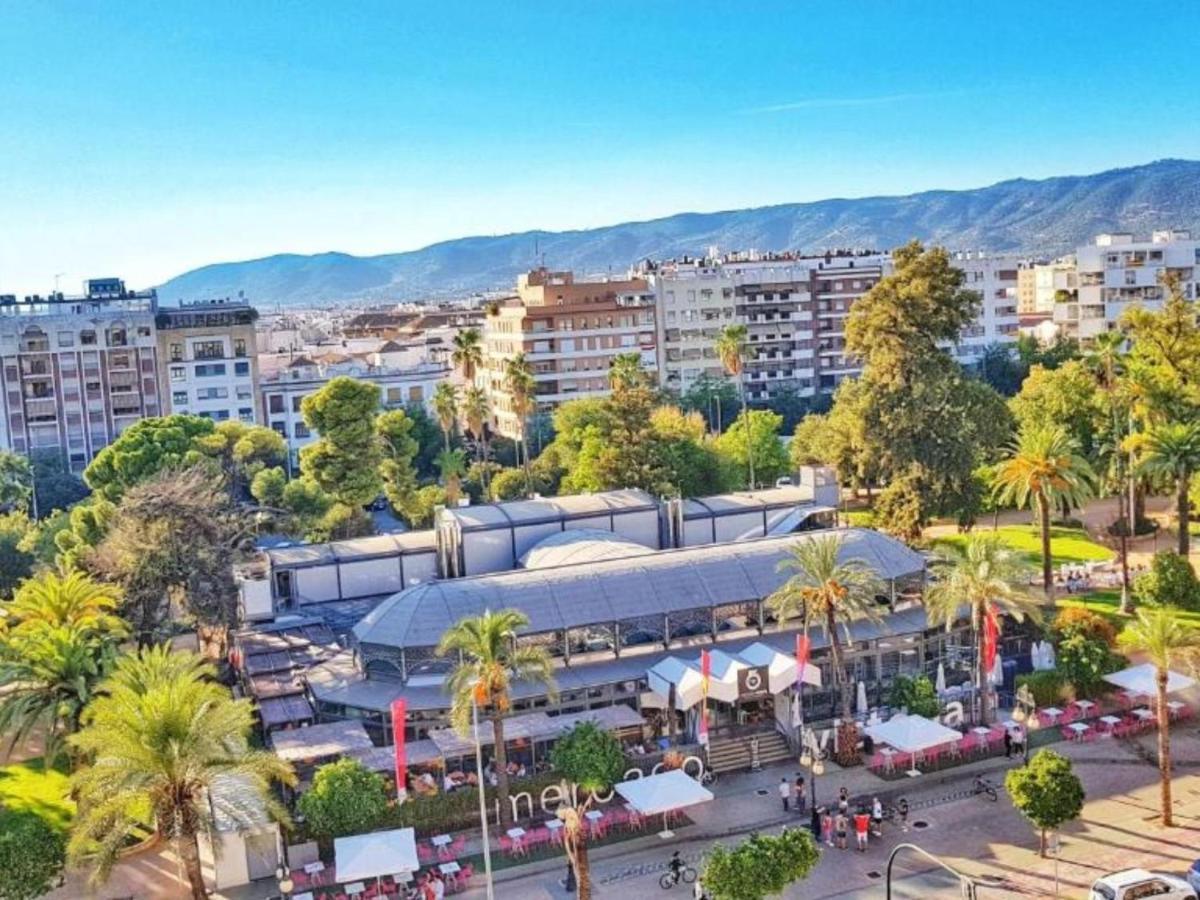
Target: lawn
[
  {"x": 1067, "y": 545},
  {"x": 1106, "y": 602},
  {"x": 861, "y": 518},
  {"x": 27, "y": 787}
]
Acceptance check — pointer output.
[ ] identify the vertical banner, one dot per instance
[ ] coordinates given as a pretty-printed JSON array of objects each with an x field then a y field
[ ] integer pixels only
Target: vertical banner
[
  {"x": 705, "y": 674},
  {"x": 802, "y": 648},
  {"x": 991, "y": 634},
  {"x": 399, "y": 715}
]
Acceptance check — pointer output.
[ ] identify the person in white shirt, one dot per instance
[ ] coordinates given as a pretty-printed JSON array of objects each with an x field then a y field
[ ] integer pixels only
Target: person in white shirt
[{"x": 785, "y": 793}]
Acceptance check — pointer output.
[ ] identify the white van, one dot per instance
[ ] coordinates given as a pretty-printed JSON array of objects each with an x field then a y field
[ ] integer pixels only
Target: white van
[{"x": 1136, "y": 884}]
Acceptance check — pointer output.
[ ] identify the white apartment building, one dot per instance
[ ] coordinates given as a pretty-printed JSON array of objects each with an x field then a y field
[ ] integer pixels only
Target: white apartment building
[
  {"x": 1117, "y": 271},
  {"x": 995, "y": 277},
  {"x": 283, "y": 390},
  {"x": 75, "y": 371},
  {"x": 208, "y": 359}
]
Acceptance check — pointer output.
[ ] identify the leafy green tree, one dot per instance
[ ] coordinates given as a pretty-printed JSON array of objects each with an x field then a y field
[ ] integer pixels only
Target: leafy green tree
[
  {"x": 395, "y": 432},
  {"x": 344, "y": 460},
  {"x": 1166, "y": 641},
  {"x": 508, "y": 484},
  {"x": 491, "y": 659},
  {"x": 1084, "y": 661},
  {"x": 31, "y": 855},
  {"x": 306, "y": 505},
  {"x": 1163, "y": 366},
  {"x": 144, "y": 449},
  {"x": 1173, "y": 450},
  {"x": 1073, "y": 620},
  {"x": 1044, "y": 467},
  {"x": 418, "y": 506},
  {"x": 1065, "y": 396},
  {"x": 986, "y": 577},
  {"x": 755, "y": 436},
  {"x": 55, "y": 485},
  {"x": 165, "y": 738},
  {"x": 591, "y": 761},
  {"x": 733, "y": 351},
  {"x": 763, "y": 865},
  {"x": 1171, "y": 581},
  {"x": 243, "y": 450},
  {"x": 476, "y": 410},
  {"x": 829, "y": 589},
  {"x": 453, "y": 466},
  {"x": 16, "y": 480},
  {"x": 88, "y": 522},
  {"x": 345, "y": 798},
  {"x": 426, "y": 433},
  {"x": 692, "y": 466},
  {"x": 41, "y": 540},
  {"x": 714, "y": 398},
  {"x": 1030, "y": 352},
  {"x": 16, "y": 559},
  {"x": 917, "y": 694},
  {"x": 1047, "y": 792},
  {"x": 899, "y": 509},
  {"x": 268, "y": 486},
  {"x": 999, "y": 367}
]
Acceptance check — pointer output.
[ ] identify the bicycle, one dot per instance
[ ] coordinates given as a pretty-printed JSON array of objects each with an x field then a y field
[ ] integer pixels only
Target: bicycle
[
  {"x": 686, "y": 874},
  {"x": 985, "y": 787},
  {"x": 709, "y": 777}
]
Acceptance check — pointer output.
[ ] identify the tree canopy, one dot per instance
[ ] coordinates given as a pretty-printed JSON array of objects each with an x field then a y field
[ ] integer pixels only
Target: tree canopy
[
  {"x": 344, "y": 460},
  {"x": 763, "y": 865},
  {"x": 145, "y": 448},
  {"x": 345, "y": 798},
  {"x": 1047, "y": 791}
]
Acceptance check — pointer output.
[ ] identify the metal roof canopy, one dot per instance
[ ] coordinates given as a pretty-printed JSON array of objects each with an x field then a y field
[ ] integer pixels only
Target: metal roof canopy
[{"x": 318, "y": 741}]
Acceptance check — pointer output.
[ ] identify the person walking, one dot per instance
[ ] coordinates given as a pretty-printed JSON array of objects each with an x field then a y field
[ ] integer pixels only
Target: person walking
[
  {"x": 827, "y": 826},
  {"x": 799, "y": 794},
  {"x": 861, "y": 822},
  {"x": 843, "y": 801},
  {"x": 841, "y": 824},
  {"x": 815, "y": 824},
  {"x": 785, "y": 792},
  {"x": 877, "y": 816},
  {"x": 1008, "y": 742},
  {"x": 902, "y": 809}
]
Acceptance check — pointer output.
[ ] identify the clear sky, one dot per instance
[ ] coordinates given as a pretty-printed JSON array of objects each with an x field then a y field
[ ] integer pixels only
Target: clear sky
[{"x": 143, "y": 139}]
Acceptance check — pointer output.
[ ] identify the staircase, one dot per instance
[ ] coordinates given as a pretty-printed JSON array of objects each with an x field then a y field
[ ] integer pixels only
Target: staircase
[{"x": 732, "y": 753}]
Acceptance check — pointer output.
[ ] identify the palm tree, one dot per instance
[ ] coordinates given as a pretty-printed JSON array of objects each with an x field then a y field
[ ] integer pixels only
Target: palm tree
[
  {"x": 452, "y": 465},
  {"x": 468, "y": 353},
  {"x": 829, "y": 591},
  {"x": 1173, "y": 450},
  {"x": 475, "y": 411},
  {"x": 732, "y": 351},
  {"x": 518, "y": 378},
  {"x": 1161, "y": 635},
  {"x": 1044, "y": 467},
  {"x": 445, "y": 407},
  {"x": 984, "y": 576},
  {"x": 489, "y": 661},
  {"x": 626, "y": 371},
  {"x": 167, "y": 740},
  {"x": 72, "y": 599}
]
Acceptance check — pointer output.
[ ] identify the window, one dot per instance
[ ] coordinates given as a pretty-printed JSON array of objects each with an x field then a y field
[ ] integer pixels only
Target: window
[
  {"x": 210, "y": 370},
  {"x": 143, "y": 331},
  {"x": 302, "y": 430},
  {"x": 280, "y": 428},
  {"x": 239, "y": 347},
  {"x": 246, "y": 414},
  {"x": 208, "y": 350},
  {"x": 176, "y": 352},
  {"x": 241, "y": 368},
  {"x": 87, "y": 337},
  {"x": 243, "y": 392},
  {"x": 178, "y": 373},
  {"x": 275, "y": 403},
  {"x": 296, "y": 401},
  {"x": 179, "y": 398},
  {"x": 221, "y": 415},
  {"x": 212, "y": 393},
  {"x": 66, "y": 339}
]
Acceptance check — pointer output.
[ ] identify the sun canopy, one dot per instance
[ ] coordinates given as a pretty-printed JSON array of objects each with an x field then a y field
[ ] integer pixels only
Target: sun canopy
[
  {"x": 663, "y": 792},
  {"x": 1143, "y": 679},
  {"x": 910, "y": 734},
  {"x": 374, "y": 855},
  {"x": 685, "y": 674}
]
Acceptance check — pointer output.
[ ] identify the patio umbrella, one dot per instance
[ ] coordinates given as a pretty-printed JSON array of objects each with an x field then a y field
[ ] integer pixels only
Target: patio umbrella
[
  {"x": 997, "y": 674},
  {"x": 862, "y": 698},
  {"x": 1048, "y": 658},
  {"x": 1143, "y": 679},
  {"x": 797, "y": 712},
  {"x": 941, "y": 679}
]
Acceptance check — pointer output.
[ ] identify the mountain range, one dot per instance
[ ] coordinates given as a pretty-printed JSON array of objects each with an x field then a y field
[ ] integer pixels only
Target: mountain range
[{"x": 1045, "y": 217}]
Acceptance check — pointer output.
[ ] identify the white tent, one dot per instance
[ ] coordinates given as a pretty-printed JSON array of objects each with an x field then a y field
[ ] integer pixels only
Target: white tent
[
  {"x": 663, "y": 792},
  {"x": 1143, "y": 679},
  {"x": 374, "y": 855},
  {"x": 911, "y": 734},
  {"x": 781, "y": 668},
  {"x": 685, "y": 677},
  {"x": 723, "y": 674}
]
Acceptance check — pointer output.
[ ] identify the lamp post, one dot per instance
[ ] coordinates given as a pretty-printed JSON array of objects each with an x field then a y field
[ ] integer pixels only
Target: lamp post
[
  {"x": 813, "y": 759},
  {"x": 483, "y": 819},
  {"x": 283, "y": 876}
]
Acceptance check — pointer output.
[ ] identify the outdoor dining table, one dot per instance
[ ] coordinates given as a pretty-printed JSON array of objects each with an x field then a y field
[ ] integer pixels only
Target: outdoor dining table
[
  {"x": 1111, "y": 721},
  {"x": 1053, "y": 712},
  {"x": 1175, "y": 705},
  {"x": 450, "y": 870},
  {"x": 1085, "y": 705},
  {"x": 1142, "y": 713},
  {"x": 357, "y": 888},
  {"x": 1080, "y": 729},
  {"x": 306, "y": 895},
  {"x": 313, "y": 868}
]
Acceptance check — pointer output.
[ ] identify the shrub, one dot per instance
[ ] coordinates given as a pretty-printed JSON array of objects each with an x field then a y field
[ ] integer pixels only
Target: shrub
[
  {"x": 440, "y": 813},
  {"x": 1171, "y": 581},
  {"x": 917, "y": 695},
  {"x": 1084, "y": 661},
  {"x": 1074, "y": 620},
  {"x": 345, "y": 798},
  {"x": 1048, "y": 687},
  {"x": 31, "y": 856},
  {"x": 763, "y": 865}
]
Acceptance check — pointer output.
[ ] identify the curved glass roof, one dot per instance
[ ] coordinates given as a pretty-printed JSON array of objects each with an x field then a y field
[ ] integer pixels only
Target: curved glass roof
[
  {"x": 609, "y": 590},
  {"x": 580, "y": 545}
]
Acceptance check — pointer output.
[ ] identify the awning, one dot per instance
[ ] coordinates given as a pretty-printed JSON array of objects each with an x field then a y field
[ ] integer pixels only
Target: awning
[
  {"x": 1143, "y": 679},
  {"x": 723, "y": 682},
  {"x": 684, "y": 675},
  {"x": 320, "y": 741},
  {"x": 663, "y": 792},
  {"x": 910, "y": 734},
  {"x": 535, "y": 727},
  {"x": 374, "y": 855}
]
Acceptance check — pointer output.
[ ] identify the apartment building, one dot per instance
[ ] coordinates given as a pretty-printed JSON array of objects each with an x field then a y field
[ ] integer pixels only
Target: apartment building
[
  {"x": 282, "y": 391},
  {"x": 569, "y": 331},
  {"x": 76, "y": 370},
  {"x": 996, "y": 278},
  {"x": 1118, "y": 270},
  {"x": 208, "y": 359}
]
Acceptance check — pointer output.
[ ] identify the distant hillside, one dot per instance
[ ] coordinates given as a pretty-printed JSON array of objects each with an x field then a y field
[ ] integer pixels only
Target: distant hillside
[{"x": 1050, "y": 216}]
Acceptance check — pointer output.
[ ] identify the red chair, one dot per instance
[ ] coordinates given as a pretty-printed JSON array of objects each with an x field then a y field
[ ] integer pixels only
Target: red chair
[{"x": 300, "y": 879}]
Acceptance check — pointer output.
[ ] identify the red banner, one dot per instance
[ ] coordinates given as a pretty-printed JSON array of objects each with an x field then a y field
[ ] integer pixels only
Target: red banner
[
  {"x": 399, "y": 715},
  {"x": 802, "y": 649},
  {"x": 991, "y": 635},
  {"x": 705, "y": 674}
]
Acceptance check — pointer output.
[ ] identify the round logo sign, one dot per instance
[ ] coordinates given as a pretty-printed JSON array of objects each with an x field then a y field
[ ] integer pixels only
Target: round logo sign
[{"x": 753, "y": 681}]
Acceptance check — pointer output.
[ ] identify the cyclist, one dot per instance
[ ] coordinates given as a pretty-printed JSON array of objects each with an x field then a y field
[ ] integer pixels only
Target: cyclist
[{"x": 676, "y": 867}]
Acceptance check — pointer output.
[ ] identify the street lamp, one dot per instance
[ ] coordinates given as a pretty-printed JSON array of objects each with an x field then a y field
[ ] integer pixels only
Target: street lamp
[
  {"x": 813, "y": 758},
  {"x": 283, "y": 875},
  {"x": 483, "y": 819}
]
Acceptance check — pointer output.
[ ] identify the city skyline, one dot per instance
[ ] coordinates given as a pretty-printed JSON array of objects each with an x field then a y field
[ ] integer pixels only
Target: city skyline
[{"x": 148, "y": 141}]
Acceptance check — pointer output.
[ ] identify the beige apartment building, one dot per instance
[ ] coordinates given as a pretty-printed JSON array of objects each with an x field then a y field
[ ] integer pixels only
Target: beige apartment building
[
  {"x": 208, "y": 359},
  {"x": 75, "y": 371},
  {"x": 569, "y": 331}
]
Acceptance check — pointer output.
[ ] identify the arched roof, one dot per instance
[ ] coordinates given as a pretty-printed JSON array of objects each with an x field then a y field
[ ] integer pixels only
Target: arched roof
[
  {"x": 611, "y": 590},
  {"x": 580, "y": 545}
]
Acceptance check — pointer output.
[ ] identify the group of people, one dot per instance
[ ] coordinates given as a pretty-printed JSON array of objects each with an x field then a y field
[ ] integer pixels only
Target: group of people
[
  {"x": 430, "y": 885},
  {"x": 1014, "y": 740},
  {"x": 832, "y": 826}
]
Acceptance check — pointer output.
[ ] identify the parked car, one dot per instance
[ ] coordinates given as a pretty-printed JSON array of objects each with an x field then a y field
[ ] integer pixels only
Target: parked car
[
  {"x": 1137, "y": 884},
  {"x": 1193, "y": 876}
]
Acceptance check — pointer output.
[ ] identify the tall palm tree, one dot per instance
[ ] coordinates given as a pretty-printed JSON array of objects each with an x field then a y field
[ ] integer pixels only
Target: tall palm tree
[
  {"x": 445, "y": 407},
  {"x": 1173, "y": 450},
  {"x": 452, "y": 466},
  {"x": 72, "y": 599},
  {"x": 732, "y": 350},
  {"x": 984, "y": 576},
  {"x": 829, "y": 591},
  {"x": 167, "y": 739},
  {"x": 1044, "y": 467},
  {"x": 626, "y": 371},
  {"x": 468, "y": 353},
  {"x": 489, "y": 662},
  {"x": 521, "y": 385},
  {"x": 1160, "y": 635},
  {"x": 475, "y": 412}
]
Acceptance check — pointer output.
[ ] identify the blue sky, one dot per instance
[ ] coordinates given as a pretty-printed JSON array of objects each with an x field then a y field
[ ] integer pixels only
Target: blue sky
[{"x": 143, "y": 139}]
